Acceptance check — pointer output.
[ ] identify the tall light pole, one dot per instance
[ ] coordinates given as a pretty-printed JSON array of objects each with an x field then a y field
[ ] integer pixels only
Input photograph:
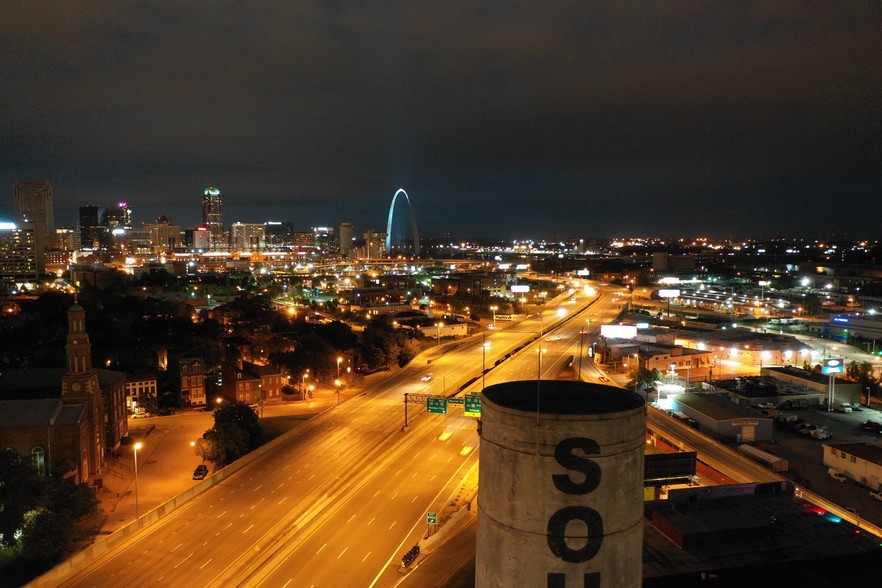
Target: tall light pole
[
  {"x": 484, "y": 346},
  {"x": 137, "y": 505},
  {"x": 539, "y": 352},
  {"x": 339, "y": 361},
  {"x": 438, "y": 336},
  {"x": 493, "y": 309}
]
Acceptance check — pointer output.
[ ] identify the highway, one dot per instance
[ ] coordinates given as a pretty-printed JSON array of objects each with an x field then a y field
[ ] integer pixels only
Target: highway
[{"x": 346, "y": 494}]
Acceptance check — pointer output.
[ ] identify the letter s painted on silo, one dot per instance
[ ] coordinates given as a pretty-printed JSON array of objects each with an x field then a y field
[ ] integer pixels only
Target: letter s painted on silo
[
  {"x": 564, "y": 455},
  {"x": 557, "y": 524}
]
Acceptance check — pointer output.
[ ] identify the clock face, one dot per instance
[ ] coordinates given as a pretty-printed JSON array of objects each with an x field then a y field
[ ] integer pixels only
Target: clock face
[{"x": 75, "y": 386}]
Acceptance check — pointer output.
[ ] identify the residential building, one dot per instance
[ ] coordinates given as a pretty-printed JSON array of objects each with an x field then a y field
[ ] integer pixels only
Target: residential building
[{"x": 187, "y": 379}]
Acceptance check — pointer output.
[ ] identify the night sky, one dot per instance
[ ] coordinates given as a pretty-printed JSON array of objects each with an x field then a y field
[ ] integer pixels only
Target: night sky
[{"x": 508, "y": 120}]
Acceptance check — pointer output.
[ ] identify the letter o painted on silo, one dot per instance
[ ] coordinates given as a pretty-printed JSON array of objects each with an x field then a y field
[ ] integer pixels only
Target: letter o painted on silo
[{"x": 556, "y": 533}]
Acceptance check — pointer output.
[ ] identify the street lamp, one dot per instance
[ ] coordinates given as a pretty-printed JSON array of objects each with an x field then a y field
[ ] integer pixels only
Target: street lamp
[
  {"x": 198, "y": 450},
  {"x": 339, "y": 361},
  {"x": 673, "y": 366},
  {"x": 493, "y": 309},
  {"x": 485, "y": 345},
  {"x": 438, "y": 326},
  {"x": 337, "y": 383},
  {"x": 539, "y": 352},
  {"x": 137, "y": 446}
]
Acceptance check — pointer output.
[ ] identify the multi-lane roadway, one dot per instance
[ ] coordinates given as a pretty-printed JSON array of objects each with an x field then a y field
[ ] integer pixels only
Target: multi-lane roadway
[{"x": 339, "y": 501}]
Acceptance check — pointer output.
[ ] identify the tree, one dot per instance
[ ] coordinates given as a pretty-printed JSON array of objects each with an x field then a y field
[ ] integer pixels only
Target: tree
[
  {"x": 645, "y": 377},
  {"x": 235, "y": 431},
  {"x": 240, "y": 415},
  {"x": 22, "y": 490},
  {"x": 224, "y": 443}
]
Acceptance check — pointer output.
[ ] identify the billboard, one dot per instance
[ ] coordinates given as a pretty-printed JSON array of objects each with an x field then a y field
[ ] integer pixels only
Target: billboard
[
  {"x": 618, "y": 331},
  {"x": 832, "y": 366},
  {"x": 668, "y": 293},
  {"x": 520, "y": 288}
]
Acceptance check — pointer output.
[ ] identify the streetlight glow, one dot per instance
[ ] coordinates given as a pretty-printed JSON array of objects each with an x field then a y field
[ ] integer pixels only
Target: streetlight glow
[{"x": 137, "y": 446}]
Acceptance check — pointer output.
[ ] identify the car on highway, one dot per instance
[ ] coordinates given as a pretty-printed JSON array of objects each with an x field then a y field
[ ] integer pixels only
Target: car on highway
[
  {"x": 200, "y": 472},
  {"x": 426, "y": 378}
]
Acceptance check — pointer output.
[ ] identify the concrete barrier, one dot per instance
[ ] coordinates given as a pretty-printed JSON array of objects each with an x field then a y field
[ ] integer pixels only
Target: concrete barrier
[{"x": 83, "y": 559}]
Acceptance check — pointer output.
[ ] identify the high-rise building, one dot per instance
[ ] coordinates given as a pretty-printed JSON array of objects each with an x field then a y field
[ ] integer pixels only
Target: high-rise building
[
  {"x": 164, "y": 236},
  {"x": 120, "y": 216},
  {"x": 374, "y": 245},
  {"x": 32, "y": 203},
  {"x": 94, "y": 232},
  {"x": 345, "y": 239},
  {"x": 324, "y": 239},
  {"x": 20, "y": 259},
  {"x": 278, "y": 234},
  {"x": 212, "y": 217},
  {"x": 246, "y": 236}
]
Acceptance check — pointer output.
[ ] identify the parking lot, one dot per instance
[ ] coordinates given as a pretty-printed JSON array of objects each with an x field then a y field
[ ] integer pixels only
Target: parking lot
[{"x": 805, "y": 456}]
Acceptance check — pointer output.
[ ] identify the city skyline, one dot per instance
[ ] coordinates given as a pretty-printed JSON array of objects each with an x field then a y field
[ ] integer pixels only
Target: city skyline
[{"x": 503, "y": 121}]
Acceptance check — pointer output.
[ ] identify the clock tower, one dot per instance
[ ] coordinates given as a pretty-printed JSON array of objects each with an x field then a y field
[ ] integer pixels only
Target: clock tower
[{"x": 79, "y": 385}]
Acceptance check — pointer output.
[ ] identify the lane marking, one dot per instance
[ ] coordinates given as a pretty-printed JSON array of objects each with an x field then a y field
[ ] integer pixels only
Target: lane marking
[
  {"x": 183, "y": 560},
  {"x": 206, "y": 563},
  {"x": 320, "y": 549},
  {"x": 392, "y": 525},
  {"x": 283, "y": 500},
  {"x": 248, "y": 529},
  {"x": 371, "y": 521},
  {"x": 342, "y": 552},
  {"x": 173, "y": 550},
  {"x": 365, "y": 557}
]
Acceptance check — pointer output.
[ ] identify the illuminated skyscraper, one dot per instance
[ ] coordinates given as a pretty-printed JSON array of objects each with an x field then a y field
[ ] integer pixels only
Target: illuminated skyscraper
[
  {"x": 19, "y": 257},
  {"x": 32, "y": 203},
  {"x": 120, "y": 217},
  {"x": 212, "y": 217},
  {"x": 345, "y": 239}
]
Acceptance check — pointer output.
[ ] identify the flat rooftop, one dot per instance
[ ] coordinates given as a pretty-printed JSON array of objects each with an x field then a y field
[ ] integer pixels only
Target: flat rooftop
[
  {"x": 562, "y": 397},
  {"x": 758, "y": 536}
]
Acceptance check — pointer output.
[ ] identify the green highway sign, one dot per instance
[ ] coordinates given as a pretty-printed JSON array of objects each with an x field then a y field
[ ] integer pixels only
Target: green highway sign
[
  {"x": 431, "y": 517},
  {"x": 455, "y": 401},
  {"x": 436, "y": 405},
  {"x": 473, "y": 405}
]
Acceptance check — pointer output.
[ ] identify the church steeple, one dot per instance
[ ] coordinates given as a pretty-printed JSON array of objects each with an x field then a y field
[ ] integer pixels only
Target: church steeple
[{"x": 78, "y": 347}]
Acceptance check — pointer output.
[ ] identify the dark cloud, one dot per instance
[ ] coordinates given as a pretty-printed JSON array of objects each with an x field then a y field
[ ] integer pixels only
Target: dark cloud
[{"x": 508, "y": 119}]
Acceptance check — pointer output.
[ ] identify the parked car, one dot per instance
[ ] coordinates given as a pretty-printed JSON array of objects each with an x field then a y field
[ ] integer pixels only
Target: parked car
[
  {"x": 836, "y": 475},
  {"x": 165, "y": 412},
  {"x": 200, "y": 472}
]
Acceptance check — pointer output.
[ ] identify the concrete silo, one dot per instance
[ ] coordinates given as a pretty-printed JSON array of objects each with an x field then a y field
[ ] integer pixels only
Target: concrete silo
[{"x": 561, "y": 485}]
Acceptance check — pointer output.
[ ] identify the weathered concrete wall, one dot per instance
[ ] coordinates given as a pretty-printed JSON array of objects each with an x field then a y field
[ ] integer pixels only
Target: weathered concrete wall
[{"x": 561, "y": 494}]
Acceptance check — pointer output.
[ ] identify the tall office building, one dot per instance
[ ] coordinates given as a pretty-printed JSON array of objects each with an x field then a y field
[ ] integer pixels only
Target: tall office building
[
  {"x": 278, "y": 234},
  {"x": 212, "y": 217},
  {"x": 345, "y": 239},
  {"x": 324, "y": 239},
  {"x": 246, "y": 236},
  {"x": 32, "y": 203},
  {"x": 120, "y": 217},
  {"x": 94, "y": 232},
  {"x": 19, "y": 257},
  {"x": 374, "y": 244}
]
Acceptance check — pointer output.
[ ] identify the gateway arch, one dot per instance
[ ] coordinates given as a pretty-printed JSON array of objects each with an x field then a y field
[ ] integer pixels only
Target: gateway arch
[{"x": 413, "y": 225}]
